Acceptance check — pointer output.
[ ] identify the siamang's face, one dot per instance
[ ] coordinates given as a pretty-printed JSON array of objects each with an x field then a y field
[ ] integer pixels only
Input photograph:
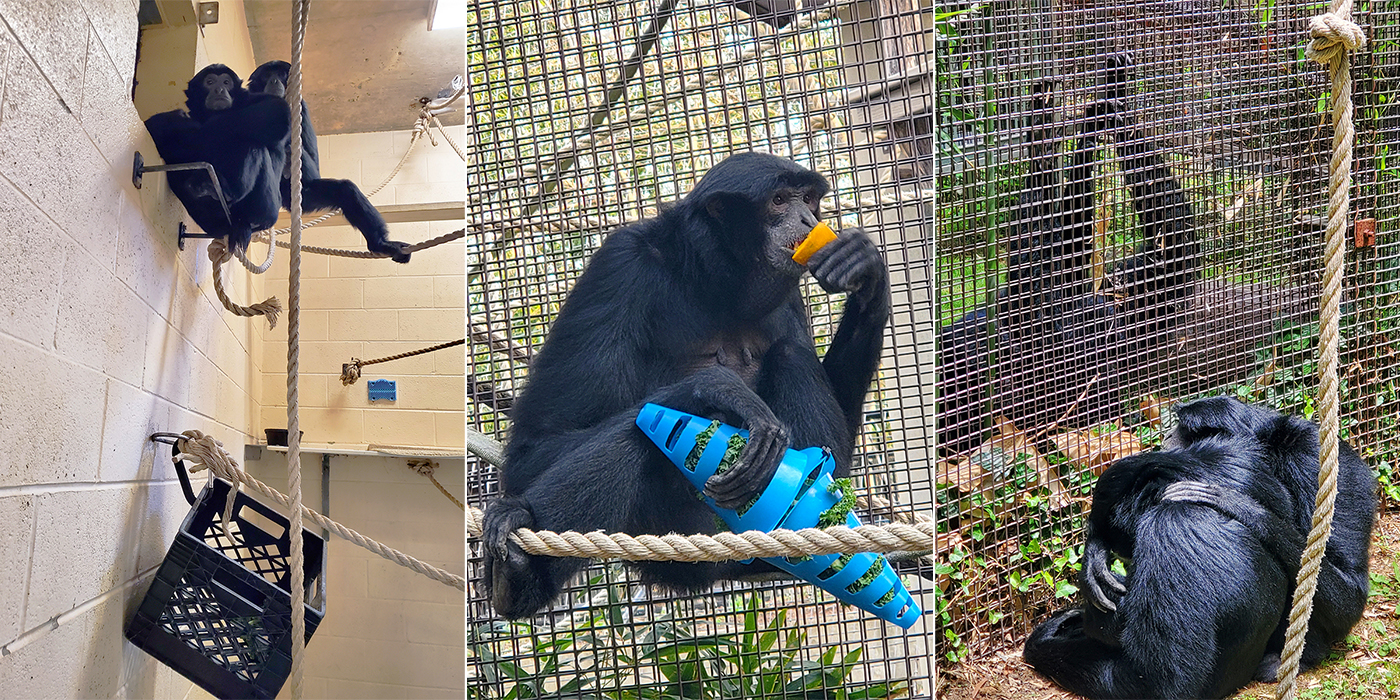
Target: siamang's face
[
  {"x": 792, "y": 212},
  {"x": 218, "y": 91},
  {"x": 275, "y": 85}
]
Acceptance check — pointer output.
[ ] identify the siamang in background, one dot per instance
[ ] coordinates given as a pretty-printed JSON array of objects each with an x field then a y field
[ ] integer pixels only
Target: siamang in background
[
  {"x": 317, "y": 193},
  {"x": 1063, "y": 350},
  {"x": 245, "y": 138},
  {"x": 1291, "y": 446},
  {"x": 1214, "y": 552},
  {"x": 1050, "y": 326},
  {"x": 699, "y": 310}
]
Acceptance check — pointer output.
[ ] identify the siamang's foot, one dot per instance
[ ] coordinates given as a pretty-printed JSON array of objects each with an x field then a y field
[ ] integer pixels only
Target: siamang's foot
[
  {"x": 1268, "y": 668},
  {"x": 1065, "y": 623},
  {"x": 1103, "y": 588},
  {"x": 513, "y": 585},
  {"x": 1192, "y": 492},
  {"x": 768, "y": 441},
  {"x": 398, "y": 252}
]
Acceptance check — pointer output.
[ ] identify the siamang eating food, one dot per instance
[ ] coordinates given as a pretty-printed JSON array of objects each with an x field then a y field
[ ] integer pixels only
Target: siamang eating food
[
  {"x": 1197, "y": 576},
  {"x": 246, "y": 136},
  {"x": 698, "y": 309},
  {"x": 318, "y": 193}
]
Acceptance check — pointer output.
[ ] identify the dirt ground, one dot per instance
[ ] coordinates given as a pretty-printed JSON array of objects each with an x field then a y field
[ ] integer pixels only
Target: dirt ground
[{"x": 1366, "y": 667}]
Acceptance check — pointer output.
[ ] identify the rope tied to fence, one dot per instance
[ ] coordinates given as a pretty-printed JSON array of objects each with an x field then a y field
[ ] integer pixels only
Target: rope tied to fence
[
  {"x": 204, "y": 452},
  {"x": 350, "y": 372},
  {"x": 269, "y": 307},
  {"x": 1334, "y": 36}
]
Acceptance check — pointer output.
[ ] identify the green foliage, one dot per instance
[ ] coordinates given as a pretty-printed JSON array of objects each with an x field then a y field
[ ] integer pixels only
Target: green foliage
[
  {"x": 609, "y": 655},
  {"x": 836, "y": 515}
]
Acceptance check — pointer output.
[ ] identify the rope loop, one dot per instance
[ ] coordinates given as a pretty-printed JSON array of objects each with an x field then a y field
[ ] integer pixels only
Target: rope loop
[{"x": 1333, "y": 36}]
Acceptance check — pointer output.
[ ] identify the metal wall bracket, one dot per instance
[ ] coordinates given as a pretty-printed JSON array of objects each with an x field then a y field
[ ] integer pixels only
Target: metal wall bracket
[{"x": 383, "y": 390}]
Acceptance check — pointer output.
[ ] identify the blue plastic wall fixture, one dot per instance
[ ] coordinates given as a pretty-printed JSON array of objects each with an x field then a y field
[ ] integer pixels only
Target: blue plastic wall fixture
[
  {"x": 383, "y": 390},
  {"x": 784, "y": 504}
]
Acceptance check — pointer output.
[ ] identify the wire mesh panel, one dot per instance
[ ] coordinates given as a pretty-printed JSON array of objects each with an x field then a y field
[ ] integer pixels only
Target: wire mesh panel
[
  {"x": 588, "y": 115},
  {"x": 1131, "y": 199}
]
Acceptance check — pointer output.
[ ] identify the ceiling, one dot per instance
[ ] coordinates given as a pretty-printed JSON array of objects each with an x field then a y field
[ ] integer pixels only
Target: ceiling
[{"x": 365, "y": 63}]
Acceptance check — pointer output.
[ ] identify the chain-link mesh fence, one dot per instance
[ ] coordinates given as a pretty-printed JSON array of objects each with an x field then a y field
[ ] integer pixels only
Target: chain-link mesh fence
[
  {"x": 1131, "y": 199},
  {"x": 586, "y": 115}
]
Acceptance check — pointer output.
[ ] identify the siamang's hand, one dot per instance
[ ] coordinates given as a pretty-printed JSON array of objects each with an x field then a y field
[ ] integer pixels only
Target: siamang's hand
[
  {"x": 851, "y": 263},
  {"x": 768, "y": 440},
  {"x": 1102, "y": 587}
]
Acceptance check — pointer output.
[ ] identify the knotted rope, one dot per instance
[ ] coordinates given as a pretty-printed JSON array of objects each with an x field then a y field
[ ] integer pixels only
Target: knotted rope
[
  {"x": 1334, "y": 37},
  {"x": 204, "y": 452},
  {"x": 350, "y": 373},
  {"x": 270, "y": 307}
]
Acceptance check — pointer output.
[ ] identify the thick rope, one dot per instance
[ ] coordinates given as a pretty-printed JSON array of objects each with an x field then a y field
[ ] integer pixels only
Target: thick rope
[
  {"x": 350, "y": 373},
  {"x": 270, "y": 307},
  {"x": 204, "y": 452},
  {"x": 1334, "y": 36},
  {"x": 725, "y": 546},
  {"x": 444, "y": 238},
  {"x": 298, "y": 555}
]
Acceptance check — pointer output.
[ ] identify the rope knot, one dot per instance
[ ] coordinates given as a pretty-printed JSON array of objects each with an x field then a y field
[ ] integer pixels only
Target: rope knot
[
  {"x": 218, "y": 251},
  {"x": 1333, "y": 36}
]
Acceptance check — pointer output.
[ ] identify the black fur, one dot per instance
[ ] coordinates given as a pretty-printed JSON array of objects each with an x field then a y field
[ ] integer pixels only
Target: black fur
[
  {"x": 1209, "y": 579},
  {"x": 246, "y": 142},
  {"x": 1291, "y": 447},
  {"x": 698, "y": 309},
  {"x": 321, "y": 194}
]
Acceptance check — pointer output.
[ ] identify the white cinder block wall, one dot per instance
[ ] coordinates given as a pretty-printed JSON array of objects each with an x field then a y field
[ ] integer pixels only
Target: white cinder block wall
[
  {"x": 107, "y": 333},
  {"x": 372, "y": 308},
  {"x": 388, "y": 632}
]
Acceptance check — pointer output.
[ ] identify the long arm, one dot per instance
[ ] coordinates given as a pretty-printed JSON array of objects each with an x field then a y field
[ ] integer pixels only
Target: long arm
[{"x": 853, "y": 264}]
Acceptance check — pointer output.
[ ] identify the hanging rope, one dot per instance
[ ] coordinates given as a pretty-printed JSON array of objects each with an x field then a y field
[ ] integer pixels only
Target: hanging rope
[
  {"x": 204, "y": 452},
  {"x": 1334, "y": 37},
  {"x": 298, "y": 556},
  {"x": 270, "y": 307},
  {"x": 428, "y": 468},
  {"x": 350, "y": 373},
  {"x": 367, "y": 254}
]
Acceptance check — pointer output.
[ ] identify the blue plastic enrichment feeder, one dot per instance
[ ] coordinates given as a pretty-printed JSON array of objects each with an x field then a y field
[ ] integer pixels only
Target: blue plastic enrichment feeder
[{"x": 801, "y": 490}]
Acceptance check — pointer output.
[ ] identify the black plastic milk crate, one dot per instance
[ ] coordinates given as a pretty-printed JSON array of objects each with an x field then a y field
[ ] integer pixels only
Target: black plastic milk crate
[{"x": 219, "y": 609}]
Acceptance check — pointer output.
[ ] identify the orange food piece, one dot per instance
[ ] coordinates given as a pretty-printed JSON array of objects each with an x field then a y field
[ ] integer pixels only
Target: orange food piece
[{"x": 820, "y": 235}]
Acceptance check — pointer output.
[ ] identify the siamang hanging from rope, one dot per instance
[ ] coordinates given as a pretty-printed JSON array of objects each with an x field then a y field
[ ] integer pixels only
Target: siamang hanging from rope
[
  {"x": 246, "y": 137},
  {"x": 318, "y": 193},
  {"x": 699, "y": 310},
  {"x": 1063, "y": 349}
]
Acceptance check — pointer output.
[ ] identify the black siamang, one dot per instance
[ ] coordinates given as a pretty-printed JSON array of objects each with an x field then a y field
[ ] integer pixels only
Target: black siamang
[
  {"x": 698, "y": 309},
  {"x": 1062, "y": 348},
  {"x": 317, "y": 193},
  {"x": 1170, "y": 582},
  {"x": 1209, "y": 580},
  {"x": 245, "y": 138},
  {"x": 1291, "y": 447}
]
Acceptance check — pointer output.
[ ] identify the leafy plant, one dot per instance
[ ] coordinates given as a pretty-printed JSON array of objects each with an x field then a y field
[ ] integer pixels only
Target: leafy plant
[{"x": 606, "y": 654}]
